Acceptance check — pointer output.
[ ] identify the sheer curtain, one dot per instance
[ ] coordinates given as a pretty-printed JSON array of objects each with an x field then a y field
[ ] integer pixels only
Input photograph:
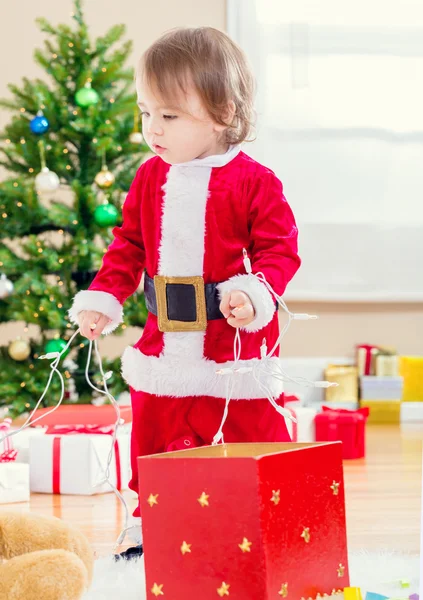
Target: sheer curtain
[{"x": 340, "y": 121}]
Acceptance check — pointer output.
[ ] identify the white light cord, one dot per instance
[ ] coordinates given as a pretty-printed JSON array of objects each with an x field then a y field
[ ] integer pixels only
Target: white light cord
[{"x": 56, "y": 356}]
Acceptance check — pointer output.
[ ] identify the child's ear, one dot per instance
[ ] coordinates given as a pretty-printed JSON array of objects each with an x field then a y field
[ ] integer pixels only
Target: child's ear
[{"x": 228, "y": 117}]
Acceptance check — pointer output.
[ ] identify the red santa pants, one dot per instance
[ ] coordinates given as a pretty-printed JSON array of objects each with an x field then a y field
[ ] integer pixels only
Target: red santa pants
[{"x": 163, "y": 424}]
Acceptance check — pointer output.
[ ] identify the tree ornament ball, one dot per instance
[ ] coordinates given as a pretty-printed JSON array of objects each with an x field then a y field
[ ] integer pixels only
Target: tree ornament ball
[
  {"x": 39, "y": 124},
  {"x": 106, "y": 215},
  {"x": 86, "y": 97},
  {"x": 6, "y": 287},
  {"x": 55, "y": 346},
  {"x": 46, "y": 181},
  {"x": 104, "y": 179},
  {"x": 19, "y": 350},
  {"x": 136, "y": 137}
]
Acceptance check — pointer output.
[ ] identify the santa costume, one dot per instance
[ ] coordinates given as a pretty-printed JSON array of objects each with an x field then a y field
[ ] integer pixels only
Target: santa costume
[{"x": 186, "y": 226}]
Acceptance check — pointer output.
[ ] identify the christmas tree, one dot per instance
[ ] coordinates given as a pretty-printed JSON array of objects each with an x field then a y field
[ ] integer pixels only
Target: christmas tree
[{"x": 70, "y": 151}]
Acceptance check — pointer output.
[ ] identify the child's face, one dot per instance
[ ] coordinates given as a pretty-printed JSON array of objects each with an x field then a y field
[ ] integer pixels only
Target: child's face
[{"x": 181, "y": 133}]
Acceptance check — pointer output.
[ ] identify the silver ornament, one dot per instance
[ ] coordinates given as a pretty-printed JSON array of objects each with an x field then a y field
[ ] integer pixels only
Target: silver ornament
[
  {"x": 46, "y": 180},
  {"x": 6, "y": 287}
]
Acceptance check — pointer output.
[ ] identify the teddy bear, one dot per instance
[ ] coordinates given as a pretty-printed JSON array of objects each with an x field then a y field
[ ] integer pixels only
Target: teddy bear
[{"x": 43, "y": 558}]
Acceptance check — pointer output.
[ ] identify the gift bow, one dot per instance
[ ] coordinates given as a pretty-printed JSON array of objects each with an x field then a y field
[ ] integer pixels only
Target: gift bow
[
  {"x": 364, "y": 411},
  {"x": 74, "y": 429},
  {"x": 8, "y": 454}
]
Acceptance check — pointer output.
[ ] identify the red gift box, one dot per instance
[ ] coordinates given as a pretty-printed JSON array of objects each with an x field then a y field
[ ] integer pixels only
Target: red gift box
[
  {"x": 347, "y": 426},
  {"x": 248, "y": 521},
  {"x": 82, "y": 414}
]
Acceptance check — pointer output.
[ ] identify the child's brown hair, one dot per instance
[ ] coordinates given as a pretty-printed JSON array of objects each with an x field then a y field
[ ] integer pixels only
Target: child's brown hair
[{"x": 217, "y": 68}]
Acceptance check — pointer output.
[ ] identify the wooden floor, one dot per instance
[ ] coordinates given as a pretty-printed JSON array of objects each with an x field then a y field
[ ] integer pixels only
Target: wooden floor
[{"x": 383, "y": 497}]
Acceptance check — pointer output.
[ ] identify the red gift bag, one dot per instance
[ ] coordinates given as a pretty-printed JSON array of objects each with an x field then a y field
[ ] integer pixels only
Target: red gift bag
[{"x": 347, "y": 426}]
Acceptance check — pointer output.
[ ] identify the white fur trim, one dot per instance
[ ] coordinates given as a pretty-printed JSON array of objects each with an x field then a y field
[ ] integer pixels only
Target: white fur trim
[
  {"x": 181, "y": 251},
  {"x": 102, "y": 302},
  {"x": 261, "y": 298},
  {"x": 217, "y": 160},
  {"x": 182, "y": 376}
]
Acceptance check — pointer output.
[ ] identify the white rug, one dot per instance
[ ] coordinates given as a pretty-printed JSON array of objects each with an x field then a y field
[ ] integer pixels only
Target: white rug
[{"x": 375, "y": 572}]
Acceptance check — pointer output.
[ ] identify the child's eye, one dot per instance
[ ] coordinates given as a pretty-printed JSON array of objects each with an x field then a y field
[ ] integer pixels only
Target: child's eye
[
  {"x": 170, "y": 117},
  {"x": 145, "y": 114}
]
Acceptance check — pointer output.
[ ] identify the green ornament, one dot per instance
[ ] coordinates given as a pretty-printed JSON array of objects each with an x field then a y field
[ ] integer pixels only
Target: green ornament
[
  {"x": 106, "y": 215},
  {"x": 86, "y": 96},
  {"x": 55, "y": 346}
]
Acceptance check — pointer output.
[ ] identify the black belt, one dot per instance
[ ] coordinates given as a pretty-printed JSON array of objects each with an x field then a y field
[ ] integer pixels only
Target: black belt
[{"x": 181, "y": 301}]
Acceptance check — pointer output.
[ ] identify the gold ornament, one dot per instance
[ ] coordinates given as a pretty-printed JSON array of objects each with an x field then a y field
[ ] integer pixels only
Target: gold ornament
[
  {"x": 246, "y": 545},
  {"x": 341, "y": 570},
  {"x": 306, "y": 534},
  {"x": 152, "y": 499},
  {"x": 204, "y": 500},
  {"x": 105, "y": 178},
  {"x": 19, "y": 350},
  {"x": 335, "y": 488},
  {"x": 284, "y": 590},
  {"x": 276, "y": 498},
  {"x": 157, "y": 590},
  {"x": 186, "y": 548},
  {"x": 223, "y": 590}
]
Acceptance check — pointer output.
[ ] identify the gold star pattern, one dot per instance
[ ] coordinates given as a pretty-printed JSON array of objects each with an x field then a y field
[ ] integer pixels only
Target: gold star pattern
[
  {"x": 204, "y": 500},
  {"x": 186, "y": 548},
  {"x": 223, "y": 590},
  {"x": 341, "y": 570},
  {"x": 284, "y": 590},
  {"x": 335, "y": 488},
  {"x": 152, "y": 499},
  {"x": 306, "y": 534},
  {"x": 276, "y": 497},
  {"x": 157, "y": 590},
  {"x": 246, "y": 545}
]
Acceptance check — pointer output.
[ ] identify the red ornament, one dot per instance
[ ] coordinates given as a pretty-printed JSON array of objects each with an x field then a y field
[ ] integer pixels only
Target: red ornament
[{"x": 247, "y": 521}]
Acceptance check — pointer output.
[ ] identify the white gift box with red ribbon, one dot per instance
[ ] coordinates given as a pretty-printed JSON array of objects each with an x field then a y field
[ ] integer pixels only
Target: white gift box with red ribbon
[
  {"x": 304, "y": 429},
  {"x": 73, "y": 460},
  {"x": 14, "y": 477}
]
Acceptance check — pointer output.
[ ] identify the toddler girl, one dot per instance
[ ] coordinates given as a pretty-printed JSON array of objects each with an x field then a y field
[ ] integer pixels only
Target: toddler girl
[{"x": 191, "y": 211}]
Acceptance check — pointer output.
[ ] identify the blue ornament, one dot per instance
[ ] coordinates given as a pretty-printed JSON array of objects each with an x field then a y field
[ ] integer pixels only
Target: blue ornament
[{"x": 39, "y": 124}]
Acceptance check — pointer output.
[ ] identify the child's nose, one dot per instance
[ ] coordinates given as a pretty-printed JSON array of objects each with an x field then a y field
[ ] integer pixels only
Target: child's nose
[{"x": 154, "y": 127}]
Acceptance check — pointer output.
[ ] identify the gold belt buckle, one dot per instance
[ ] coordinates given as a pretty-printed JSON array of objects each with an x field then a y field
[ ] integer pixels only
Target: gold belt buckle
[{"x": 164, "y": 323}]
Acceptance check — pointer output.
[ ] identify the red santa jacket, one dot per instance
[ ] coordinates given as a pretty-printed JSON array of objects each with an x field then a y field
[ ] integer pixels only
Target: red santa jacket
[{"x": 195, "y": 219}]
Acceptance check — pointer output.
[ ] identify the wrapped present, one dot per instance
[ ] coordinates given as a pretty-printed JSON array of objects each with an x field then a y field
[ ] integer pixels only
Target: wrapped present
[
  {"x": 366, "y": 359},
  {"x": 21, "y": 441},
  {"x": 244, "y": 520},
  {"x": 412, "y": 412},
  {"x": 382, "y": 411},
  {"x": 14, "y": 477},
  {"x": 387, "y": 365},
  {"x": 14, "y": 482},
  {"x": 411, "y": 368},
  {"x": 346, "y": 376},
  {"x": 303, "y": 429},
  {"x": 385, "y": 388},
  {"x": 83, "y": 414},
  {"x": 73, "y": 460},
  {"x": 347, "y": 426}
]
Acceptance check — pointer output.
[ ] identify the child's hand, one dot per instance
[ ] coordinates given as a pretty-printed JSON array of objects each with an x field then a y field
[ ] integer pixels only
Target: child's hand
[
  {"x": 92, "y": 323},
  {"x": 237, "y": 309}
]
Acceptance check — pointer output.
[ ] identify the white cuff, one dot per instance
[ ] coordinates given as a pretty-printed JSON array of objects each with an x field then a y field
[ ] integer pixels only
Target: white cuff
[
  {"x": 102, "y": 302},
  {"x": 261, "y": 299}
]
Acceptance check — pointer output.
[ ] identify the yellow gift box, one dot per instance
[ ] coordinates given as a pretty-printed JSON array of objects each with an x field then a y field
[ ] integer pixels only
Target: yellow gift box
[
  {"x": 346, "y": 376},
  {"x": 382, "y": 411},
  {"x": 411, "y": 369}
]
